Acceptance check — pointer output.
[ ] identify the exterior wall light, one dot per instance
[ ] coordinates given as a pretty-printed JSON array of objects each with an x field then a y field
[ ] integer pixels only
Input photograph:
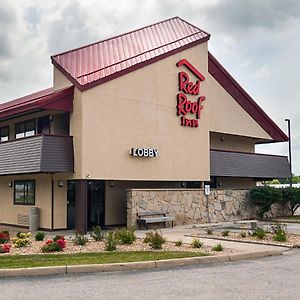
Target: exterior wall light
[
  {"x": 222, "y": 138},
  {"x": 111, "y": 184},
  {"x": 60, "y": 183},
  {"x": 10, "y": 184}
]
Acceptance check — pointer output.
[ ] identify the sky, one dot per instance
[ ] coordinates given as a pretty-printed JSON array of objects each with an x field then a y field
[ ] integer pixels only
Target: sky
[{"x": 256, "y": 41}]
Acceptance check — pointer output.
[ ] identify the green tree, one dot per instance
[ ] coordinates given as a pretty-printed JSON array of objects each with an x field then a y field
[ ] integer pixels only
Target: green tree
[
  {"x": 263, "y": 198},
  {"x": 291, "y": 197}
]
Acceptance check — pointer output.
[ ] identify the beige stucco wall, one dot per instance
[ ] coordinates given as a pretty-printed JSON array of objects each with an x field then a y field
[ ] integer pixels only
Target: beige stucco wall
[
  {"x": 76, "y": 130},
  {"x": 59, "y": 80},
  {"x": 227, "y": 116},
  {"x": 9, "y": 211},
  {"x": 139, "y": 110},
  {"x": 220, "y": 141}
]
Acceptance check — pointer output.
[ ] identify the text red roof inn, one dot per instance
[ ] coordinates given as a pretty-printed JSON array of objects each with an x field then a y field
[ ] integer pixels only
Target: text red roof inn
[{"x": 91, "y": 65}]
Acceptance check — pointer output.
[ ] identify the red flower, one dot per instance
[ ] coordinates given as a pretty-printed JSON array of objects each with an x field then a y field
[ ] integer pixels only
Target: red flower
[
  {"x": 61, "y": 243},
  {"x": 48, "y": 242},
  {"x": 6, "y": 248}
]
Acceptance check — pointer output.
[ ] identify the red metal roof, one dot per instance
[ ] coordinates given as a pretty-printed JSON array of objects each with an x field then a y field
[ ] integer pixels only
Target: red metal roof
[
  {"x": 61, "y": 100},
  {"x": 94, "y": 64}
]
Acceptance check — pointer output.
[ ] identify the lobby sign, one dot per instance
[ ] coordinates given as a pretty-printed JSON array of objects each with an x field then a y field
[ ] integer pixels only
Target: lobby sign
[
  {"x": 188, "y": 88},
  {"x": 144, "y": 152}
]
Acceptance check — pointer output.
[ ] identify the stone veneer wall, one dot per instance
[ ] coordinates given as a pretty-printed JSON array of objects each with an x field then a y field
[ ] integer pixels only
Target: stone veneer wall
[{"x": 189, "y": 206}]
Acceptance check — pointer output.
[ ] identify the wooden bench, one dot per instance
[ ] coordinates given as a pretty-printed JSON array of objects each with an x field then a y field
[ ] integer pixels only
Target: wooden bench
[
  {"x": 253, "y": 223},
  {"x": 150, "y": 217}
]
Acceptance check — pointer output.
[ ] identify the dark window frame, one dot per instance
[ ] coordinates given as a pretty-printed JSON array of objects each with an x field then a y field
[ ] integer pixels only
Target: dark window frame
[
  {"x": 25, "y": 125},
  {"x": 2, "y": 128},
  {"x": 25, "y": 182}
]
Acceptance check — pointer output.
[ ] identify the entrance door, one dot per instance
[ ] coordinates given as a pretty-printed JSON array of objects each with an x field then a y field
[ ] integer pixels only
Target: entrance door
[
  {"x": 71, "y": 205},
  {"x": 96, "y": 198}
]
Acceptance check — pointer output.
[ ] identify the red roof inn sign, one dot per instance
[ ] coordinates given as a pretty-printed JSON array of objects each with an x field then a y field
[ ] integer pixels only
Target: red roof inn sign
[{"x": 188, "y": 87}]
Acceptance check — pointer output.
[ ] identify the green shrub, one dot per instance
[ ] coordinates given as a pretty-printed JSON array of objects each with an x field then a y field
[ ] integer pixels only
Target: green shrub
[
  {"x": 80, "y": 239},
  {"x": 243, "y": 234},
  {"x": 52, "y": 246},
  {"x": 225, "y": 233},
  {"x": 97, "y": 234},
  {"x": 279, "y": 233},
  {"x": 39, "y": 236},
  {"x": 58, "y": 237},
  {"x": 263, "y": 198},
  {"x": 209, "y": 231},
  {"x": 4, "y": 236},
  {"x": 196, "y": 243},
  {"x": 291, "y": 196},
  {"x": 178, "y": 243},
  {"x": 259, "y": 232},
  {"x": 110, "y": 242},
  {"x": 125, "y": 236},
  {"x": 218, "y": 247},
  {"x": 154, "y": 239}
]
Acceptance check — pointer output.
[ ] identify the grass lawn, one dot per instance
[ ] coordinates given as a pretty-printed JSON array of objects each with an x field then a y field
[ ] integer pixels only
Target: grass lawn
[
  {"x": 291, "y": 218},
  {"x": 43, "y": 260}
]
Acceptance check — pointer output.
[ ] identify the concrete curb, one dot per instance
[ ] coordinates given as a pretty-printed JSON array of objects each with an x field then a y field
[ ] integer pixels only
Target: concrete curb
[
  {"x": 221, "y": 238},
  {"x": 143, "y": 265}
]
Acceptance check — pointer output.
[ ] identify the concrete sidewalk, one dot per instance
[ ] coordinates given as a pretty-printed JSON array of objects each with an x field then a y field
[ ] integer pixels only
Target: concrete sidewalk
[{"x": 183, "y": 232}]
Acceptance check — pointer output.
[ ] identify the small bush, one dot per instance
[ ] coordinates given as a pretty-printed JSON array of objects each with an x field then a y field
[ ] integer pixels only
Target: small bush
[
  {"x": 209, "y": 231},
  {"x": 225, "y": 233},
  {"x": 5, "y": 248},
  {"x": 58, "y": 237},
  {"x": 97, "y": 234},
  {"x": 178, "y": 243},
  {"x": 54, "y": 246},
  {"x": 196, "y": 243},
  {"x": 279, "y": 233},
  {"x": 259, "y": 233},
  {"x": 218, "y": 247},
  {"x": 110, "y": 242},
  {"x": 154, "y": 239},
  {"x": 263, "y": 198},
  {"x": 80, "y": 239},
  {"x": 39, "y": 236},
  {"x": 22, "y": 239},
  {"x": 4, "y": 236},
  {"x": 243, "y": 234},
  {"x": 125, "y": 236}
]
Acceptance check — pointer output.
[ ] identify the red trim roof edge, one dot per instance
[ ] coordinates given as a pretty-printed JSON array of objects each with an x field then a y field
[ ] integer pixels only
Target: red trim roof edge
[
  {"x": 127, "y": 70},
  {"x": 40, "y": 103},
  {"x": 244, "y": 99}
]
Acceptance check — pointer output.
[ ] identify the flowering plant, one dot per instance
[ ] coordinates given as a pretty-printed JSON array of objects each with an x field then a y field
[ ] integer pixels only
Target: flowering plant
[
  {"x": 22, "y": 239},
  {"x": 4, "y": 236},
  {"x": 5, "y": 248},
  {"x": 54, "y": 245}
]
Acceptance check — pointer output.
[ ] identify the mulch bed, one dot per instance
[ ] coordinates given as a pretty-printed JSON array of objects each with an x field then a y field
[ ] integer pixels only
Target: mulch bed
[
  {"x": 293, "y": 240},
  {"x": 92, "y": 246}
]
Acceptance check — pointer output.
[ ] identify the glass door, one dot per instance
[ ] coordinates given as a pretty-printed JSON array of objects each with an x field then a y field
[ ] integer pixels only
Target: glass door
[
  {"x": 96, "y": 200},
  {"x": 71, "y": 205}
]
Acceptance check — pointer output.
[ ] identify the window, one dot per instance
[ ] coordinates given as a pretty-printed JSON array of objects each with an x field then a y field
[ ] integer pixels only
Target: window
[
  {"x": 24, "y": 192},
  {"x": 4, "y": 134},
  {"x": 25, "y": 129}
]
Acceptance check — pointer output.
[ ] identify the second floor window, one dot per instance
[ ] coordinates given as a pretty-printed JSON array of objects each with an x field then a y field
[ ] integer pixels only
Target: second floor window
[
  {"x": 25, "y": 129},
  {"x": 4, "y": 134}
]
